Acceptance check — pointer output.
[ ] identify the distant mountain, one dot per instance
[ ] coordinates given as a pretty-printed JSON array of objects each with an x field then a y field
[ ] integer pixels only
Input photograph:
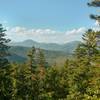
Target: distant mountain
[
  {"x": 26, "y": 43},
  {"x": 16, "y": 58},
  {"x": 53, "y": 52},
  {"x": 68, "y": 47},
  {"x": 19, "y": 54}
]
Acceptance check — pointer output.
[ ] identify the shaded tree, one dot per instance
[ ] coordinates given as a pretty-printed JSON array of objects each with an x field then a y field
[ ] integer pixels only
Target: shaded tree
[
  {"x": 3, "y": 47},
  {"x": 5, "y": 68}
]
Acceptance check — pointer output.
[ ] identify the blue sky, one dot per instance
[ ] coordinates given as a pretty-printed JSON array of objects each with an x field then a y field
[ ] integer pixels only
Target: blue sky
[{"x": 55, "y": 15}]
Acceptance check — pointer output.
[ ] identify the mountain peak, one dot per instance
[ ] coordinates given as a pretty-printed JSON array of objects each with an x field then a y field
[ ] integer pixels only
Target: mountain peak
[
  {"x": 29, "y": 41},
  {"x": 48, "y": 46}
]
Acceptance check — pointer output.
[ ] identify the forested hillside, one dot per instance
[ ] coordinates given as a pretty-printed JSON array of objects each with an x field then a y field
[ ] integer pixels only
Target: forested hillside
[
  {"x": 19, "y": 53},
  {"x": 67, "y": 47},
  {"x": 51, "y": 75}
]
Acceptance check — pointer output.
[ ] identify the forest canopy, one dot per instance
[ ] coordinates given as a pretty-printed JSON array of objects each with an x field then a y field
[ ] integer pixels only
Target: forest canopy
[{"x": 35, "y": 79}]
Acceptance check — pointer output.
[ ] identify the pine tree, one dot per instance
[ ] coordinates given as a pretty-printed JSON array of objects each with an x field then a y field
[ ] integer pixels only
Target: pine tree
[
  {"x": 42, "y": 59},
  {"x": 23, "y": 82},
  {"x": 95, "y": 3},
  {"x": 90, "y": 41},
  {"x": 88, "y": 49},
  {"x": 32, "y": 62},
  {"x": 5, "y": 79},
  {"x": 3, "y": 47},
  {"x": 35, "y": 82}
]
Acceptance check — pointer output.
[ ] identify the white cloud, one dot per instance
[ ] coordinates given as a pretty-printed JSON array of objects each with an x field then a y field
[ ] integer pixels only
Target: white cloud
[
  {"x": 44, "y": 35},
  {"x": 96, "y": 26},
  {"x": 76, "y": 31},
  {"x": 17, "y": 29},
  {"x": 97, "y": 23}
]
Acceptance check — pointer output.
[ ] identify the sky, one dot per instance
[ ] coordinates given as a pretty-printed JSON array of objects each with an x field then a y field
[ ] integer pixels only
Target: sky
[{"x": 50, "y": 21}]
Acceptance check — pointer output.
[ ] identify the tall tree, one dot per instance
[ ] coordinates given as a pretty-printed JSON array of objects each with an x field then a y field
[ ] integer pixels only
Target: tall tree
[
  {"x": 95, "y": 3},
  {"x": 5, "y": 79},
  {"x": 41, "y": 58},
  {"x": 88, "y": 49},
  {"x": 32, "y": 62},
  {"x": 3, "y": 47}
]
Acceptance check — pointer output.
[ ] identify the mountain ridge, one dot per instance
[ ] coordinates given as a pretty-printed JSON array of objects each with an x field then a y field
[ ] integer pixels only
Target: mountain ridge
[
  {"x": 48, "y": 46},
  {"x": 52, "y": 51}
]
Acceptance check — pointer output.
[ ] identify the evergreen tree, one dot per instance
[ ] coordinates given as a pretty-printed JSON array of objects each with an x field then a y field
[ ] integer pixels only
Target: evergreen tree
[
  {"x": 88, "y": 49},
  {"x": 42, "y": 61},
  {"x": 35, "y": 80},
  {"x": 23, "y": 82},
  {"x": 3, "y": 48},
  {"x": 32, "y": 62},
  {"x": 5, "y": 68},
  {"x": 95, "y": 3}
]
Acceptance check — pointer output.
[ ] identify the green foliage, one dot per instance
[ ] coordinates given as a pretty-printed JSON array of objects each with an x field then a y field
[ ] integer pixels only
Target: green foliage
[
  {"x": 3, "y": 47},
  {"x": 5, "y": 68},
  {"x": 6, "y": 89},
  {"x": 78, "y": 79},
  {"x": 95, "y": 3},
  {"x": 88, "y": 50},
  {"x": 32, "y": 63},
  {"x": 56, "y": 86}
]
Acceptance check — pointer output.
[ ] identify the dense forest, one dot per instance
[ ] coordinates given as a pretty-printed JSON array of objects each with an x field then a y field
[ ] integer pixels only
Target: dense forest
[{"x": 35, "y": 79}]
